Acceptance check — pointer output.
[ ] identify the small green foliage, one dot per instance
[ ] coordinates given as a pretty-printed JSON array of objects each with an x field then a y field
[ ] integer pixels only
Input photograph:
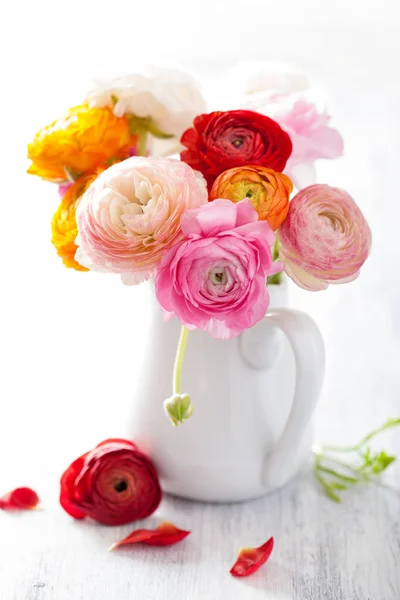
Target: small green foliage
[
  {"x": 337, "y": 474},
  {"x": 275, "y": 279},
  {"x": 140, "y": 125}
]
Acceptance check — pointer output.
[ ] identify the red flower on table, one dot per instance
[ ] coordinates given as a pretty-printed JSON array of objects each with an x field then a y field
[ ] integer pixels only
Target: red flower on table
[
  {"x": 222, "y": 140},
  {"x": 114, "y": 484}
]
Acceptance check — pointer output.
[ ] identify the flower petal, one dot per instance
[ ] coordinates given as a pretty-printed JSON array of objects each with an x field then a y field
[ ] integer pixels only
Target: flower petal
[
  {"x": 165, "y": 534},
  {"x": 22, "y": 498},
  {"x": 251, "y": 559}
]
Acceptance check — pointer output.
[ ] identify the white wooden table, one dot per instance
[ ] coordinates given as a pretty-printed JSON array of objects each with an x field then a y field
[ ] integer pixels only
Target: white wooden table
[{"x": 70, "y": 343}]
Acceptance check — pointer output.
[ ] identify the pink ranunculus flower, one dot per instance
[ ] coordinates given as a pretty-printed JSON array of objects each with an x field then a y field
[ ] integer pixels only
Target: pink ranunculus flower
[
  {"x": 215, "y": 278},
  {"x": 311, "y": 135},
  {"x": 324, "y": 239},
  {"x": 130, "y": 215},
  {"x": 308, "y": 127}
]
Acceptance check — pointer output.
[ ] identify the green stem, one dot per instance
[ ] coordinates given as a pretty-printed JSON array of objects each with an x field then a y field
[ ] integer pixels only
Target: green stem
[
  {"x": 327, "y": 489},
  {"x": 142, "y": 143},
  {"x": 275, "y": 248},
  {"x": 319, "y": 455},
  {"x": 390, "y": 423},
  {"x": 180, "y": 355},
  {"x": 275, "y": 279},
  {"x": 338, "y": 475}
]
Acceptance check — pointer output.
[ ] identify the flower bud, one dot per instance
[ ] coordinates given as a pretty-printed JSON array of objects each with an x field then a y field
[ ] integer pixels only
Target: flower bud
[{"x": 178, "y": 408}]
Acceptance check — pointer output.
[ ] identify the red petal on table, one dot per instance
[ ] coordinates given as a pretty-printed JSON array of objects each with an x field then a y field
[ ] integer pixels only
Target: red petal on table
[
  {"x": 251, "y": 559},
  {"x": 165, "y": 534},
  {"x": 20, "y": 499}
]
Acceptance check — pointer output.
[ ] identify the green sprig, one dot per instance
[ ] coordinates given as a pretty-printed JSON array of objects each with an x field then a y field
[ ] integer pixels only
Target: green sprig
[
  {"x": 277, "y": 277},
  {"x": 336, "y": 474}
]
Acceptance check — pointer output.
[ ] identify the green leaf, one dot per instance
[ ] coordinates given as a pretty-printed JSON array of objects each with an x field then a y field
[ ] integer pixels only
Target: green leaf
[
  {"x": 274, "y": 279},
  {"x": 381, "y": 462},
  {"x": 331, "y": 494}
]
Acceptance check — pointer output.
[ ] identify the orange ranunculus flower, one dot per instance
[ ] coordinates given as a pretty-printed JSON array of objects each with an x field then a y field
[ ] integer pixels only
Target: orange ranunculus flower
[
  {"x": 63, "y": 225},
  {"x": 267, "y": 190},
  {"x": 80, "y": 141}
]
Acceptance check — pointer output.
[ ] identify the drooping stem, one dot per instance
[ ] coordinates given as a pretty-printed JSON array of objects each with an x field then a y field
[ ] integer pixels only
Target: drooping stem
[
  {"x": 142, "y": 143},
  {"x": 390, "y": 423},
  {"x": 180, "y": 355}
]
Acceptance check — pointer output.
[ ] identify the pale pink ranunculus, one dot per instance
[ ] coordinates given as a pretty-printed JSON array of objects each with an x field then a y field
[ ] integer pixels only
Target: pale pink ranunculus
[
  {"x": 324, "y": 239},
  {"x": 130, "y": 215},
  {"x": 309, "y": 128},
  {"x": 311, "y": 135},
  {"x": 215, "y": 278}
]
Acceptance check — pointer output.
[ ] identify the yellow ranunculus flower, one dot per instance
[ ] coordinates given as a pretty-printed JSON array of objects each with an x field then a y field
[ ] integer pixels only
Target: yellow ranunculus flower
[
  {"x": 80, "y": 141},
  {"x": 63, "y": 225}
]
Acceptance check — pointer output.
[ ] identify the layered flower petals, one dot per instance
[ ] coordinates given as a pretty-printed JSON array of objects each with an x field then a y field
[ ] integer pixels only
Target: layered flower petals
[
  {"x": 80, "y": 141},
  {"x": 114, "y": 484},
  {"x": 222, "y": 140},
  {"x": 311, "y": 133},
  {"x": 64, "y": 229},
  {"x": 131, "y": 215},
  {"x": 215, "y": 279},
  {"x": 267, "y": 190},
  {"x": 169, "y": 97},
  {"x": 324, "y": 239}
]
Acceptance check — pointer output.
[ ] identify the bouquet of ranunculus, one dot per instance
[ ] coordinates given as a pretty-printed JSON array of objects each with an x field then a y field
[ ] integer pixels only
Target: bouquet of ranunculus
[{"x": 213, "y": 227}]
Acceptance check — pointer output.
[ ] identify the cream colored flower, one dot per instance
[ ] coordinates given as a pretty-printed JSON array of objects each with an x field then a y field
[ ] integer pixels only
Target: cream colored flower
[
  {"x": 169, "y": 97},
  {"x": 131, "y": 215}
]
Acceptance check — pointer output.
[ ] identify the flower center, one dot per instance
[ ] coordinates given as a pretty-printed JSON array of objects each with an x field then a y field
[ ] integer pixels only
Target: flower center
[
  {"x": 238, "y": 142},
  {"x": 218, "y": 276},
  {"x": 334, "y": 221},
  {"x": 120, "y": 486}
]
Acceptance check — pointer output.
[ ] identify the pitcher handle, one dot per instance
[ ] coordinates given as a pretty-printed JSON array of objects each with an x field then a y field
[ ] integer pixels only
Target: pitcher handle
[{"x": 308, "y": 349}]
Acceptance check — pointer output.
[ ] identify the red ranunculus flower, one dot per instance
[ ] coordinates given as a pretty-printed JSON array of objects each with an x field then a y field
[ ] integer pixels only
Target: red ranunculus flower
[
  {"x": 114, "y": 484},
  {"x": 222, "y": 140}
]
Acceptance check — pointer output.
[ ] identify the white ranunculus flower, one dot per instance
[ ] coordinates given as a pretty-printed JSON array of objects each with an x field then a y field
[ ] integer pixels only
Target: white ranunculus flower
[
  {"x": 169, "y": 96},
  {"x": 262, "y": 79}
]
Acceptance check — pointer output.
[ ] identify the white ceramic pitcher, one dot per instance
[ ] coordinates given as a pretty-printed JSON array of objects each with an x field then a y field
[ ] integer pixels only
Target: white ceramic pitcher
[{"x": 253, "y": 399}]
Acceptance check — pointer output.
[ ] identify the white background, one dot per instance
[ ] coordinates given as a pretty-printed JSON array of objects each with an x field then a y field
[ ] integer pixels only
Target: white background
[{"x": 70, "y": 341}]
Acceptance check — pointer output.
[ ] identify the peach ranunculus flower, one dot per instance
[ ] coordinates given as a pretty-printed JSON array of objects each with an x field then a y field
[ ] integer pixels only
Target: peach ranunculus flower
[
  {"x": 324, "y": 239},
  {"x": 80, "y": 141},
  {"x": 131, "y": 214},
  {"x": 267, "y": 190},
  {"x": 63, "y": 225}
]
